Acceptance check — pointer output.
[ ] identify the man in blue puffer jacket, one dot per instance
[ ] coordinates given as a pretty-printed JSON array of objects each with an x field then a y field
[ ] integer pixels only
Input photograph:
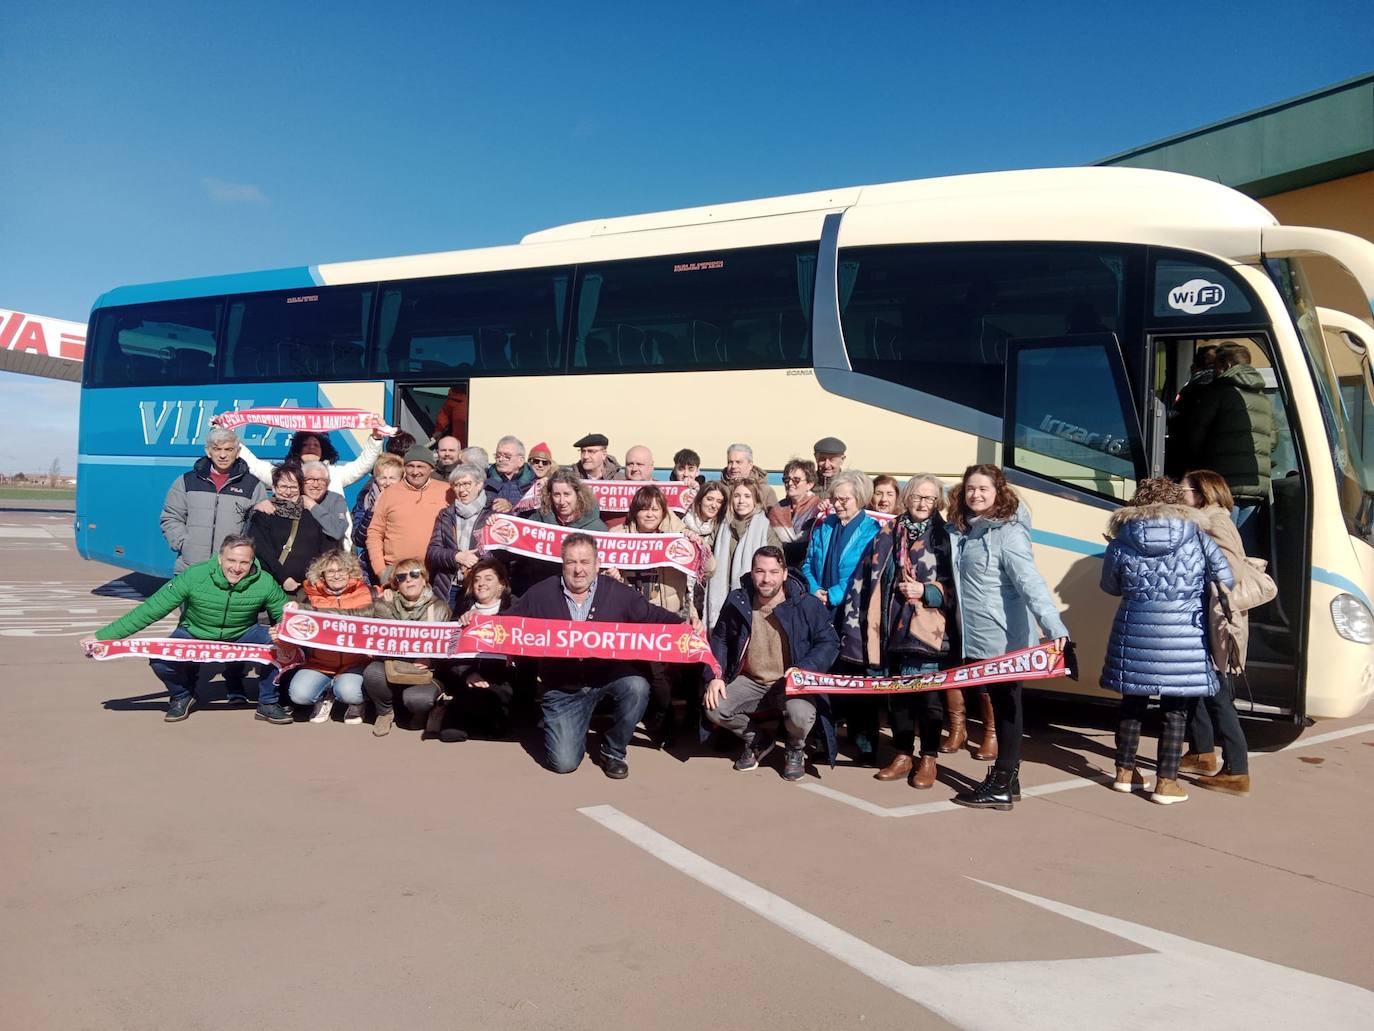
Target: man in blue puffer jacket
[{"x": 1159, "y": 563}]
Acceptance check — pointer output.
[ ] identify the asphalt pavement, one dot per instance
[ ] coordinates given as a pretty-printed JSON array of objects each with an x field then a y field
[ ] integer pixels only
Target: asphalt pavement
[{"x": 224, "y": 873}]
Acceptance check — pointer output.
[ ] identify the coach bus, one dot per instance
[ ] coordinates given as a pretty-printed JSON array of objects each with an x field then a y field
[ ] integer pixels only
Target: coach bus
[{"x": 1043, "y": 319}]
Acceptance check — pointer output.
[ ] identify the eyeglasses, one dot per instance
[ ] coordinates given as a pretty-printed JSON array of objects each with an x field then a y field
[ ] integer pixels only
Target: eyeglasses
[
  {"x": 317, "y": 479},
  {"x": 538, "y": 461},
  {"x": 794, "y": 479},
  {"x": 410, "y": 574},
  {"x": 926, "y": 497},
  {"x": 506, "y": 456}
]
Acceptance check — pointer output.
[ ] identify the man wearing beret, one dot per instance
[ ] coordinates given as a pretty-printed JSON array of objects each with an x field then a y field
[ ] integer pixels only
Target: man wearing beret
[
  {"x": 595, "y": 463},
  {"x": 403, "y": 517},
  {"x": 829, "y": 452}
]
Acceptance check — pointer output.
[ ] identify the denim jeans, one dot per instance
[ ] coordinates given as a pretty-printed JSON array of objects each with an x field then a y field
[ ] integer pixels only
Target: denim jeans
[
  {"x": 568, "y": 714},
  {"x": 181, "y": 677},
  {"x": 308, "y": 686}
]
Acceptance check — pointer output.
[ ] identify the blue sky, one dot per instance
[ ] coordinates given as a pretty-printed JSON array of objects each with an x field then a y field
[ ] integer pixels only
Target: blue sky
[{"x": 157, "y": 141}]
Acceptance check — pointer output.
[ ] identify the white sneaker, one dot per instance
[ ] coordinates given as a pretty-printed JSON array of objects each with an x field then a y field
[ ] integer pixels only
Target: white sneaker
[
  {"x": 353, "y": 714},
  {"x": 324, "y": 708}
]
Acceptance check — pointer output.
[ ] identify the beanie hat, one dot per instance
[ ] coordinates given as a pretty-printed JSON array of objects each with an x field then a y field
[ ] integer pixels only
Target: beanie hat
[
  {"x": 541, "y": 449},
  {"x": 419, "y": 453}
]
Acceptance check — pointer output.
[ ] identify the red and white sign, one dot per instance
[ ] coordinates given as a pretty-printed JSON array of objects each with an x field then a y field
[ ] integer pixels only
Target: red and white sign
[
  {"x": 579, "y": 639},
  {"x": 312, "y": 420},
  {"x": 358, "y": 635},
  {"x": 39, "y": 335},
  {"x": 1040, "y": 662},
  {"x": 617, "y": 550},
  {"x": 496, "y": 636},
  {"x": 186, "y": 649},
  {"x": 614, "y": 496}
]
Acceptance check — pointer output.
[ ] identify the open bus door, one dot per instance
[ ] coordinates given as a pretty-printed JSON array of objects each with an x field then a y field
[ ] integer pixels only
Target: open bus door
[{"x": 430, "y": 411}]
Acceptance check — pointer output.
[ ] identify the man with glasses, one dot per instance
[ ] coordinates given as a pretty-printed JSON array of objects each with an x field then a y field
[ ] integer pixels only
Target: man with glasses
[
  {"x": 210, "y": 502},
  {"x": 595, "y": 463},
  {"x": 508, "y": 476},
  {"x": 329, "y": 509}
]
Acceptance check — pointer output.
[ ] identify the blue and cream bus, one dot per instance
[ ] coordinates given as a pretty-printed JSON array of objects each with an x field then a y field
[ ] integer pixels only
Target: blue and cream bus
[{"x": 1041, "y": 319}]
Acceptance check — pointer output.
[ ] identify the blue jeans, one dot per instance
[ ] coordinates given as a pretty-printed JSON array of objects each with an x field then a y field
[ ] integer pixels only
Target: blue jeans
[
  {"x": 568, "y": 714},
  {"x": 181, "y": 677},
  {"x": 309, "y": 685},
  {"x": 1247, "y": 517}
]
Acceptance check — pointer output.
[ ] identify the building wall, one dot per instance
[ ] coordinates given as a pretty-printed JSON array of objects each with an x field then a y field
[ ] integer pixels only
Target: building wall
[{"x": 1346, "y": 204}]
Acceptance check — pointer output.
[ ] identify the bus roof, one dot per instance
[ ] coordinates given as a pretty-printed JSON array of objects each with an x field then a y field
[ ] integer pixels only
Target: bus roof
[{"x": 1115, "y": 203}]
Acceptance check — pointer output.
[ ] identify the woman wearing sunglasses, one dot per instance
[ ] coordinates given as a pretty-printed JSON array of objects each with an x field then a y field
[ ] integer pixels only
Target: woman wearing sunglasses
[{"x": 408, "y": 597}]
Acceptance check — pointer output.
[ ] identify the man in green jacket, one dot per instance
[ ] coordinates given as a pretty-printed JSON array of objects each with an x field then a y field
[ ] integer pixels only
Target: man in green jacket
[
  {"x": 1231, "y": 431},
  {"x": 220, "y": 601}
]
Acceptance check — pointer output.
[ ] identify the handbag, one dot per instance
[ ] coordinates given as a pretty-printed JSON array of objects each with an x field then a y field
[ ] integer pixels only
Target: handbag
[
  {"x": 1227, "y": 631},
  {"x": 1254, "y": 587},
  {"x": 403, "y": 671}
]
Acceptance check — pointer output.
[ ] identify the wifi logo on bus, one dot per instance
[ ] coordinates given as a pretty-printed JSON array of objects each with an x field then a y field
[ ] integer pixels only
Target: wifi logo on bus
[{"x": 1196, "y": 296}]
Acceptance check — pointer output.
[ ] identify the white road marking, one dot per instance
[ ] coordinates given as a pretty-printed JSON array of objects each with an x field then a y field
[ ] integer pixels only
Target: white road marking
[
  {"x": 24, "y": 531},
  {"x": 1130, "y": 993},
  {"x": 1053, "y": 788}
]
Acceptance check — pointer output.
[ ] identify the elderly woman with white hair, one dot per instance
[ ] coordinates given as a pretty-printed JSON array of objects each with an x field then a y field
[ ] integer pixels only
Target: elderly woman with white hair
[
  {"x": 899, "y": 618},
  {"x": 456, "y": 545},
  {"x": 838, "y": 543}
]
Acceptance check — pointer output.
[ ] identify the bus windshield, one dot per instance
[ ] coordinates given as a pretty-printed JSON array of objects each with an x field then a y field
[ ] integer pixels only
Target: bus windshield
[{"x": 1352, "y": 461}]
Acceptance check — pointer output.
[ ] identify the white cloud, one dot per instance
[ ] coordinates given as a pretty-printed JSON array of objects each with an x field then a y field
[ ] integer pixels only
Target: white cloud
[{"x": 221, "y": 191}]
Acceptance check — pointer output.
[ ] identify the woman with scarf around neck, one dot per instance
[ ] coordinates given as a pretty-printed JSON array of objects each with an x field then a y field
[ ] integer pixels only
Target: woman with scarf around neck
[
  {"x": 898, "y": 618},
  {"x": 408, "y": 596},
  {"x": 838, "y": 543},
  {"x": 668, "y": 589},
  {"x": 1000, "y": 596},
  {"x": 455, "y": 546},
  {"x": 702, "y": 521},
  {"x": 742, "y": 532},
  {"x": 483, "y": 689},
  {"x": 794, "y": 516},
  {"x": 287, "y": 539},
  {"x": 334, "y": 583}
]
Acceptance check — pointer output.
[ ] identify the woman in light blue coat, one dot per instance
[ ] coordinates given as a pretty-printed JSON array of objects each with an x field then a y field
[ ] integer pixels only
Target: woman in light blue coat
[
  {"x": 1159, "y": 563},
  {"x": 838, "y": 544},
  {"x": 1001, "y": 597}
]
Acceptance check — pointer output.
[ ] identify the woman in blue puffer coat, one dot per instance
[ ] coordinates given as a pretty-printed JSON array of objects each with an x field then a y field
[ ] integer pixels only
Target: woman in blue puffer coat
[{"x": 1159, "y": 563}]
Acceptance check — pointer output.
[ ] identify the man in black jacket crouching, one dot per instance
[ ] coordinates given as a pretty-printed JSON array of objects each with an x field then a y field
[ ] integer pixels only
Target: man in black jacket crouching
[{"x": 571, "y": 689}]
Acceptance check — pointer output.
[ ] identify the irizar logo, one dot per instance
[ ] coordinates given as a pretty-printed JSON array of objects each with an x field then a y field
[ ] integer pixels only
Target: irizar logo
[{"x": 1196, "y": 296}]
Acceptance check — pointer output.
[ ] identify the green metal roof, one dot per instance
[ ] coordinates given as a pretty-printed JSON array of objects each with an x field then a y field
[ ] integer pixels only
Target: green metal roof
[{"x": 1314, "y": 138}]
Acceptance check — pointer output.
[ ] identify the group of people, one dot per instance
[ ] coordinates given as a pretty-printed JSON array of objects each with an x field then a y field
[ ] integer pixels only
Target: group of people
[{"x": 841, "y": 573}]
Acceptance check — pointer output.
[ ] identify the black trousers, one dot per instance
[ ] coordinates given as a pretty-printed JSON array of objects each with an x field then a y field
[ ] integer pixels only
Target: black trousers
[
  {"x": 1216, "y": 717},
  {"x": 1007, "y": 721},
  {"x": 917, "y": 710}
]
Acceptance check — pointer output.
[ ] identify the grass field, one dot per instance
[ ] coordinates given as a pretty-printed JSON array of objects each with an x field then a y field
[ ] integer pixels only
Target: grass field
[{"x": 37, "y": 494}]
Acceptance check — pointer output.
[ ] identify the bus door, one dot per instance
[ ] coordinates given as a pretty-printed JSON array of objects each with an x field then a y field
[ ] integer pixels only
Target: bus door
[
  {"x": 430, "y": 411},
  {"x": 1182, "y": 371}
]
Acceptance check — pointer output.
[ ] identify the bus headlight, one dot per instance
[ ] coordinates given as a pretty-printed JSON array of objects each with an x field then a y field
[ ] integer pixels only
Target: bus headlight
[{"x": 1353, "y": 619}]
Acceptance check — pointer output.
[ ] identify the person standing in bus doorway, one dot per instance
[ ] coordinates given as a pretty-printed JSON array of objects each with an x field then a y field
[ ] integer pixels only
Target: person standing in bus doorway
[
  {"x": 1000, "y": 596},
  {"x": 1158, "y": 563},
  {"x": 220, "y": 600},
  {"x": 509, "y": 476},
  {"x": 1200, "y": 374},
  {"x": 403, "y": 519},
  {"x": 447, "y": 452},
  {"x": 573, "y": 688},
  {"x": 829, "y": 453},
  {"x": 740, "y": 468},
  {"x": 595, "y": 463},
  {"x": 1231, "y": 430}
]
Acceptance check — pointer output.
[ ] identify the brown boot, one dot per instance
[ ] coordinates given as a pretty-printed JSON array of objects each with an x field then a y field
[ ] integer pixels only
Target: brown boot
[
  {"x": 988, "y": 749},
  {"x": 1237, "y": 784},
  {"x": 1203, "y": 763},
  {"x": 924, "y": 777},
  {"x": 957, "y": 731},
  {"x": 895, "y": 770}
]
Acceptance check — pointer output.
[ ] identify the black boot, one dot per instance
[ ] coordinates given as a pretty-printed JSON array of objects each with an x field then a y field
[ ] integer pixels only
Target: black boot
[{"x": 994, "y": 793}]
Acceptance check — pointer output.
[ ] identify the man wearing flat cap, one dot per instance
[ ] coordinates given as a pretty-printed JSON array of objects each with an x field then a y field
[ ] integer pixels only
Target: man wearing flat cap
[
  {"x": 595, "y": 464},
  {"x": 829, "y": 452},
  {"x": 403, "y": 517}
]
